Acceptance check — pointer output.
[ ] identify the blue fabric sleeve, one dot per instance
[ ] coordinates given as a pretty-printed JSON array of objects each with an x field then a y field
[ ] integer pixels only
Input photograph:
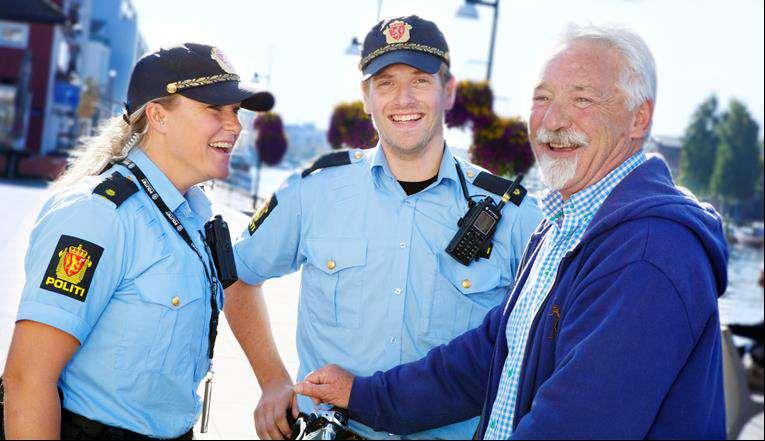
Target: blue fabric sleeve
[
  {"x": 271, "y": 250},
  {"x": 623, "y": 339},
  {"x": 95, "y": 226},
  {"x": 446, "y": 386}
]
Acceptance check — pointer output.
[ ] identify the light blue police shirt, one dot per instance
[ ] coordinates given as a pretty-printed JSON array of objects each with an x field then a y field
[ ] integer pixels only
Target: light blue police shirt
[
  {"x": 139, "y": 304},
  {"x": 377, "y": 288}
]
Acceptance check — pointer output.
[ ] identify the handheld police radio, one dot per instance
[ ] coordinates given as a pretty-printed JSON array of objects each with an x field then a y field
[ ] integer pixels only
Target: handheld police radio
[{"x": 477, "y": 226}]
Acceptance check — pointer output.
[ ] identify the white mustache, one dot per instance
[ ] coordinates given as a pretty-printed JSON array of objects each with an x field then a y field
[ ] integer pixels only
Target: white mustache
[{"x": 563, "y": 137}]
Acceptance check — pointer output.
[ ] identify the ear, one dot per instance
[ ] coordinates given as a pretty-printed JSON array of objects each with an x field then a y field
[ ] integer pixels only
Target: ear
[
  {"x": 451, "y": 93},
  {"x": 642, "y": 121},
  {"x": 365, "y": 97},
  {"x": 156, "y": 116}
]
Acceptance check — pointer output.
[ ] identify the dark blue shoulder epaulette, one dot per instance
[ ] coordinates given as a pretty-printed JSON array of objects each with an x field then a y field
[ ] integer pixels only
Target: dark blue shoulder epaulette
[
  {"x": 334, "y": 159},
  {"x": 499, "y": 186},
  {"x": 116, "y": 188}
]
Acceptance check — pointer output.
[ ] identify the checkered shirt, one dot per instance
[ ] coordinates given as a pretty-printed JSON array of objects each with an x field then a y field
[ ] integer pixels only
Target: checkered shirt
[{"x": 569, "y": 221}]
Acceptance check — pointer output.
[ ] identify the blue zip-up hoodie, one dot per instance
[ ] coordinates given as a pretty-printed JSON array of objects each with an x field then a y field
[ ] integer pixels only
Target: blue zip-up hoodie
[{"x": 627, "y": 344}]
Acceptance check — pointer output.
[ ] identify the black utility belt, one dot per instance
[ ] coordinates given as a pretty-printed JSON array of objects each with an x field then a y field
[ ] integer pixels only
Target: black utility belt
[{"x": 78, "y": 427}]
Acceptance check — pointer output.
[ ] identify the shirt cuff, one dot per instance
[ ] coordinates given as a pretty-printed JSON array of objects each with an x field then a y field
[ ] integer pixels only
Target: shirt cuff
[
  {"x": 244, "y": 272},
  {"x": 55, "y": 317}
]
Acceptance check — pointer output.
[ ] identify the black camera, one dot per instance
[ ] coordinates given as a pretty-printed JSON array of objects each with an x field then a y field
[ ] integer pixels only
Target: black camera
[
  {"x": 219, "y": 241},
  {"x": 476, "y": 228}
]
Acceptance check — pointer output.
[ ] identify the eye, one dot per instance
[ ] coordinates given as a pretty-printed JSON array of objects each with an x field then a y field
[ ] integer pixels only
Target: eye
[
  {"x": 541, "y": 99},
  {"x": 582, "y": 101},
  {"x": 422, "y": 81}
]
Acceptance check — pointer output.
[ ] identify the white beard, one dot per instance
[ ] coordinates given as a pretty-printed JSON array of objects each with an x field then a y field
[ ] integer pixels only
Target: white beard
[{"x": 555, "y": 173}]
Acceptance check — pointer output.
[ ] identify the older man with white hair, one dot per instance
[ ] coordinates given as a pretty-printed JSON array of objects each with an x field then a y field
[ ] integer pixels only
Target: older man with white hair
[{"x": 612, "y": 327}]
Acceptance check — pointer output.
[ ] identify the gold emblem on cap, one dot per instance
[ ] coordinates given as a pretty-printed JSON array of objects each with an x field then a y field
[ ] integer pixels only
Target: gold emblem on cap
[
  {"x": 397, "y": 32},
  {"x": 172, "y": 88},
  {"x": 222, "y": 61}
]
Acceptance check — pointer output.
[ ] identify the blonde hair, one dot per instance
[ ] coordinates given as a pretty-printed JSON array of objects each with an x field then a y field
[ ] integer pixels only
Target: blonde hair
[{"x": 113, "y": 141}]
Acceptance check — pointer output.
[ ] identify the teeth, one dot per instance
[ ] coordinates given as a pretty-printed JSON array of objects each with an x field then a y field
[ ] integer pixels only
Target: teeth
[
  {"x": 562, "y": 146},
  {"x": 221, "y": 145},
  {"x": 403, "y": 118}
]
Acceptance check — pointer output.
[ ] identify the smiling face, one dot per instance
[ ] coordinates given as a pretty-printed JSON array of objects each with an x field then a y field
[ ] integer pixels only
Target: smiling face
[
  {"x": 581, "y": 127},
  {"x": 197, "y": 139},
  {"x": 407, "y": 106}
]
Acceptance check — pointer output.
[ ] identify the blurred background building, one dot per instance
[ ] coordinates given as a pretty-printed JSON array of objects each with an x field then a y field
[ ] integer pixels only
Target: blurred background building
[{"x": 65, "y": 66}]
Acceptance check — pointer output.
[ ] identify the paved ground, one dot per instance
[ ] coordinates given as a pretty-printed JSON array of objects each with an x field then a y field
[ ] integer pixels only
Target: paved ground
[{"x": 235, "y": 391}]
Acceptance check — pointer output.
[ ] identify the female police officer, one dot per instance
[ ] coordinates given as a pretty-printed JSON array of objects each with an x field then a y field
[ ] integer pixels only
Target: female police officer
[{"x": 117, "y": 319}]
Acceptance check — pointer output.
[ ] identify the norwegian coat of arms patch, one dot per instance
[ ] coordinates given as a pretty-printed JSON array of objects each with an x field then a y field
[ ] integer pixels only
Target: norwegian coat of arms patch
[
  {"x": 71, "y": 267},
  {"x": 397, "y": 32}
]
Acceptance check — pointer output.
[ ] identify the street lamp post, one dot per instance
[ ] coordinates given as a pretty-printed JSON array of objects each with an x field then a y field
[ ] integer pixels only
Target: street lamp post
[
  {"x": 468, "y": 10},
  {"x": 355, "y": 47}
]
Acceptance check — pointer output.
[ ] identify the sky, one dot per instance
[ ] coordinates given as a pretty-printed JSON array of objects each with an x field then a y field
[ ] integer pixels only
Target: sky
[{"x": 298, "y": 47}]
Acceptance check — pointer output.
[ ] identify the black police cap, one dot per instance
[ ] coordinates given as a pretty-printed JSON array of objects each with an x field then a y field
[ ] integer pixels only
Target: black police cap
[
  {"x": 196, "y": 71},
  {"x": 407, "y": 40}
]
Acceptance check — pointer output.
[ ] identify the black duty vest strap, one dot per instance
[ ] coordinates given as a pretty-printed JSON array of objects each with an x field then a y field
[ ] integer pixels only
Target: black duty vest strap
[
  {"x": 334, "y": 159},
  {"x": 178, "y": 226},
  {"x": 116, "y": 188},
  {"x": 499, "y": 186}
]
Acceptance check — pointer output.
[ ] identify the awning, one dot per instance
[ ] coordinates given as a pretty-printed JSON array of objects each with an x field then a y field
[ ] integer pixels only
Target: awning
[{"x": 31, "y": 11}]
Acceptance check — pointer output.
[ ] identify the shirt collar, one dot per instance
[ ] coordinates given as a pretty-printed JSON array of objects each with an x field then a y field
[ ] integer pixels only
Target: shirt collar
[
  {"x": 583, "y": 204},
  {"x": 447, "y": 169},
  {"x": 161, "y": 183}
]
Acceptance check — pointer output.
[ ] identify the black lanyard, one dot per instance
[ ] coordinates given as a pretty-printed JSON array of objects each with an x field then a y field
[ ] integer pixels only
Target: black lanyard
[{"x": 177, "y": 226}]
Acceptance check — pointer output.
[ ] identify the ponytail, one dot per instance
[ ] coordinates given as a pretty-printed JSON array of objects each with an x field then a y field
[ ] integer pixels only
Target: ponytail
[{"x": 113, "y": 141}]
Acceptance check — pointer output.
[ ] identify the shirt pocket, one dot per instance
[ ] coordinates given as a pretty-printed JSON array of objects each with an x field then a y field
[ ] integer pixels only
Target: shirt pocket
[
  {"x": 333, "y": 281},
  {"x": 164, "y": 324},
  {"x": 462, "y": 295}
]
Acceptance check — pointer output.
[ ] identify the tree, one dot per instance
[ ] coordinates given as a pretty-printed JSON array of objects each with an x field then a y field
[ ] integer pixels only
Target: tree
[
  {"x": 737, "y": 167},
  {"x": 351, "y": 127},
  {"x": 270, "y": 143},
  {"x": 500, "y": 145},
  {"x": 699, "y": 147}
]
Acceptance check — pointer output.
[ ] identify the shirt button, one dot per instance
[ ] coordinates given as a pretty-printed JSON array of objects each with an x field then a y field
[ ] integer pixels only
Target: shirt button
[
  {"x": 470, "y": 173},
  {"x": 397, "y": 291},
  {"x": 393, "y": 340},
  {"x": 467, "y": 284},
  {"x": 402, "y": 245},
  {"x": 330, "y": 265},
  {"x": 359, "y": 155},
  {"x": 176, "y": 301}
]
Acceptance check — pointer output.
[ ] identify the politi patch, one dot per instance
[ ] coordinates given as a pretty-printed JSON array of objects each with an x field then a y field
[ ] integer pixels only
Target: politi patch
[{"x": 71, "y": 267}]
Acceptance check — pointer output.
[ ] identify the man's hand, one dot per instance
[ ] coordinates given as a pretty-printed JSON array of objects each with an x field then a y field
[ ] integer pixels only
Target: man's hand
[
  {"x": 271, "y": 414},
  {"x": 330, "y": 384}
]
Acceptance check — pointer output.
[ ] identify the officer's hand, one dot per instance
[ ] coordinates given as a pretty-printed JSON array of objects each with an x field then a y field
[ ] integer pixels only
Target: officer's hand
[
  {"x": 330, "y": 384},
  {"x": 271, "y": 414}
]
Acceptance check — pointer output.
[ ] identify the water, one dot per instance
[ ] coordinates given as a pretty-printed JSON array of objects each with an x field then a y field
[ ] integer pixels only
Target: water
[{"x": 743, "y": 301}]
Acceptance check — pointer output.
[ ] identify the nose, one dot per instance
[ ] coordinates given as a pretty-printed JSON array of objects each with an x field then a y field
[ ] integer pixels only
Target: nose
[
  {"x": 556, "y": 117},
  {"x": 405, "y": 96},
  {"x": 231, "y": 123}
]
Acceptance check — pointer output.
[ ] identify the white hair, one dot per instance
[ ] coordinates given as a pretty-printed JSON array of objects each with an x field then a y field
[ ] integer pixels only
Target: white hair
[{"x": 638, "y": 77}]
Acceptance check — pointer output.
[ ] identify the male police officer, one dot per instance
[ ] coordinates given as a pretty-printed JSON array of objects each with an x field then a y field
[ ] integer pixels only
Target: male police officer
[{"x": 370, "y": 229}]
